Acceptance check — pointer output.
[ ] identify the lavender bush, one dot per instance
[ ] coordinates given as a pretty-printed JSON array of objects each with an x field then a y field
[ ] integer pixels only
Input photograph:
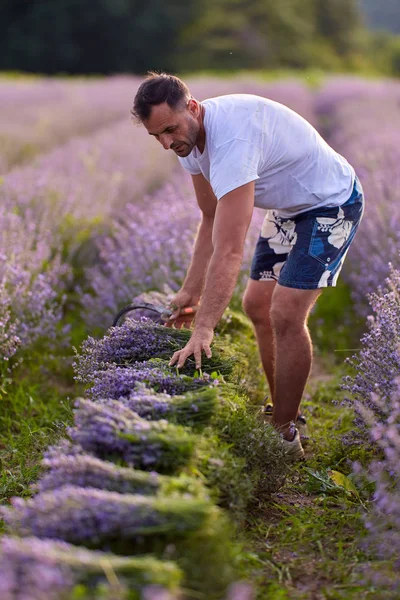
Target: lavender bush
[
  {"x": 36, "y": 569},
  {"x": 38, "y": 115},
  {"x": 84, "y": 470},
  {"x": 377, "y": 365},
  {"x": 98, "y": 518},
  {"x": 113, "y": 431},
  {"x": 382, "y": 520},
  {"x": 32, "y": 281},
  {"x": 352, "y": 112},
  {"x": 52, "y": 210}
]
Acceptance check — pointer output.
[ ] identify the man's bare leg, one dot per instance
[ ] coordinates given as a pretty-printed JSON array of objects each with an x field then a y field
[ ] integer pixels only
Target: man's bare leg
[
  {"x": 257, "y": 304},
  {"x": 289, "y": 313}
]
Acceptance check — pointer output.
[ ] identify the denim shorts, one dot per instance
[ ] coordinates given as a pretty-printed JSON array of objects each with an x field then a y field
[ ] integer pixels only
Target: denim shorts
[{"x": 307, "y": 251}]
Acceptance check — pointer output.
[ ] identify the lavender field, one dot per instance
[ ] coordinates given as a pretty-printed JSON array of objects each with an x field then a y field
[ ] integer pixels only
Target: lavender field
[{"x": 122, "y": 478}]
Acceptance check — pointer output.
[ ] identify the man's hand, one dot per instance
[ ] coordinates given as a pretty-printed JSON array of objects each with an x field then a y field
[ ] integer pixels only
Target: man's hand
[
  {"x": 200, "y": 340},
  {"x": 183, "y": 299}
]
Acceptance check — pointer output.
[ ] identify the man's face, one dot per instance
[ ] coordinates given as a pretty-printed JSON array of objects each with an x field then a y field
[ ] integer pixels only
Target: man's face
[{"x": 176, "y": 129}]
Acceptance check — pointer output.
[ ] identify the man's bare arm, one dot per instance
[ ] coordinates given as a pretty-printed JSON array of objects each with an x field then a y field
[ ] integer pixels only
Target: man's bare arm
[
  {"x": 231, "y": 223},
  {"x": 203, "y": 248}
]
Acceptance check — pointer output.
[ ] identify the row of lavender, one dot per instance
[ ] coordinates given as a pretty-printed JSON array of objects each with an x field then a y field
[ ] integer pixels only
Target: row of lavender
[
  {"x": 38, "y": 115},
  {"x": 83, "y": 202},
  {"x": 123, "y": 485},
  {"x": 362, "y": 121}
]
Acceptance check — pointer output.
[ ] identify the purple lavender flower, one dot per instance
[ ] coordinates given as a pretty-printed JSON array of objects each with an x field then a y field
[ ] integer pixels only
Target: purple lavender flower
[
  {"x": 136, "y": 342},
  {"x": 115, "y": 432},
  {"x": 352, "y": 108},
  {"x": 382, "y": 521},
  {"x": 36, "y": 569},
  {"x": 115, "y": 382},
  {"x": 192, "y": 408},
  {"x": 377, "y": 365},
  {"x": 84, "y": 470},
  {"x": 98, "y": 518},
  {"x": 53, "y": 111}
]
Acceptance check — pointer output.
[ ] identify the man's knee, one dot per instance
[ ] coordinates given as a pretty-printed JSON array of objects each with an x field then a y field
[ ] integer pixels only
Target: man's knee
[
  {"x": 290, "y": 309},
  {"x": 256, "y": 307},
  {"x": 284, "y": 319}
]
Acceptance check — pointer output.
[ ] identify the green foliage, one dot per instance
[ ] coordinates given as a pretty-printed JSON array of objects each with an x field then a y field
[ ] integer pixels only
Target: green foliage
[
  {"x": 78, "y": 36},
  {"x": 225, "y": 473},
  {"x": 248, "y": 34},
  {"x": 34, "y": 411},
  {"x": 75, "y": 36},
  {"x": 335, "y": 327},
  {"x": 385, "y": 49},
  {"x": 240, "y": 424}
]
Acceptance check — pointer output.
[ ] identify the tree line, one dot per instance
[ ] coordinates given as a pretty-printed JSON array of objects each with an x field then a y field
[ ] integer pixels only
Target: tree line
[{"x": 133, "y": 36}]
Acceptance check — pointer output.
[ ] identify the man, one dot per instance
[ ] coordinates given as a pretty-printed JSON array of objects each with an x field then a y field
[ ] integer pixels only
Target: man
[{"x": 244, "y": 151}]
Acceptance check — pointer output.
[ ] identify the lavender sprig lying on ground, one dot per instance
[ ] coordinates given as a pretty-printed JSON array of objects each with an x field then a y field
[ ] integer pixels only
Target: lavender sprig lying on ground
[
  {"x": 85, "y": 470},
  {"x": 98, "y": 518},
  {"x": 36, "y": 569},
  {"x": 115, "y": 382},
  {"x": 116, "y": 433},
  {"x": 136, "y": 341},
  {"x": 377, "y": 365},
  {"x": 193, "y": 408}
]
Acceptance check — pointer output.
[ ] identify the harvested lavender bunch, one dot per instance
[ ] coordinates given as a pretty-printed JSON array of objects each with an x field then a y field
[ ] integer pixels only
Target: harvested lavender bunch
[
  {"x": 138, "y": 341},
  {"x": 36, "y": 569},
  {"x": 97, "y": 517},
  {"x": 63, "y": 448},
  {"x": 115, "y": 382},
  {"x": 88, "y": 471},
  {"x": 115, "y": 432},
  {"x": 191, "y": 408}
]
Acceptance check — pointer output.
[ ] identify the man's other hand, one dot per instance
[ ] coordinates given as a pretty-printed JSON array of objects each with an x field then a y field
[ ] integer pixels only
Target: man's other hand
[
  {"x": 183, "y": 300},
  {"x": 200, "y": 340}
]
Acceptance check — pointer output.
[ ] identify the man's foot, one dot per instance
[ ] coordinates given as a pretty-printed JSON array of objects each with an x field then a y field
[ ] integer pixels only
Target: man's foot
[
  {"x": 293, "y": 448},
  {"x": 301, "y": 422}
]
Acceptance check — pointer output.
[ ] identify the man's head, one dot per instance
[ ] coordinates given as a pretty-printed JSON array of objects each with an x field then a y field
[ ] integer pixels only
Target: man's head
[{"x": 166, "y": 108}]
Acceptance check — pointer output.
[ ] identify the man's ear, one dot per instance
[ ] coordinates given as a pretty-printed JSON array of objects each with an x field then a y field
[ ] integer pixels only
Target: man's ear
[{"x": 193, "y": 107}]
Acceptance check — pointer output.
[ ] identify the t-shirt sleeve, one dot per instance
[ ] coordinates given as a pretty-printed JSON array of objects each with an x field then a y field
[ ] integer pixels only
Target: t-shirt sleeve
[
  {"x": 234, "y": 164},
  {"x": 190, "y": 164}
]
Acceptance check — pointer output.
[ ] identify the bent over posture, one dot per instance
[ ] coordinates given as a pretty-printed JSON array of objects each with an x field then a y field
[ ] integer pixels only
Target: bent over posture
[{"x": 244, "y": 151}]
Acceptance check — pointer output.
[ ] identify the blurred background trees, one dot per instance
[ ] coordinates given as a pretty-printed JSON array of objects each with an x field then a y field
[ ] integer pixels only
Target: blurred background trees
[{"x": 110, "y": 36}]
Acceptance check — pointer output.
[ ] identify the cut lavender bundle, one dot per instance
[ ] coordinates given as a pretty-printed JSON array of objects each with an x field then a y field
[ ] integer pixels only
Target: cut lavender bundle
[
  {"x": 36, "y": 569},
  {"x": 99, "y": 518},
  {"x": 138, "y": 341},
  {"x": 88, "y": 471},
  {"x": 115, "y": 432},
  {"x": 192, "y": 408},
  {"x": 115, "y": 382}
]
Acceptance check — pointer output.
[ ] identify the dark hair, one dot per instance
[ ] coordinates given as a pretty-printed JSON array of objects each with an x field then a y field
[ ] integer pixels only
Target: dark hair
[{"x": 156, "y": 89}]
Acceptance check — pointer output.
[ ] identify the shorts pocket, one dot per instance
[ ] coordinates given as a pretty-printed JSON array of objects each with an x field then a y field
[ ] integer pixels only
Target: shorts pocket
[
  {"x": 320, "y": 247},
  {"x": 331, "y": 236}
]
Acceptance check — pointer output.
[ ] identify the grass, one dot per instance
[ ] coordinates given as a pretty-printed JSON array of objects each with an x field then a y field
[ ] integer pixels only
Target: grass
[
  {"x": 304, "y": 542},
  {"x": 36, "y": 396}
]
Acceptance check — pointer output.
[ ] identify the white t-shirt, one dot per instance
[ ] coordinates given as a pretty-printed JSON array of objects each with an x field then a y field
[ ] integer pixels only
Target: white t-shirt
[{"x": 250, "y": 138}]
